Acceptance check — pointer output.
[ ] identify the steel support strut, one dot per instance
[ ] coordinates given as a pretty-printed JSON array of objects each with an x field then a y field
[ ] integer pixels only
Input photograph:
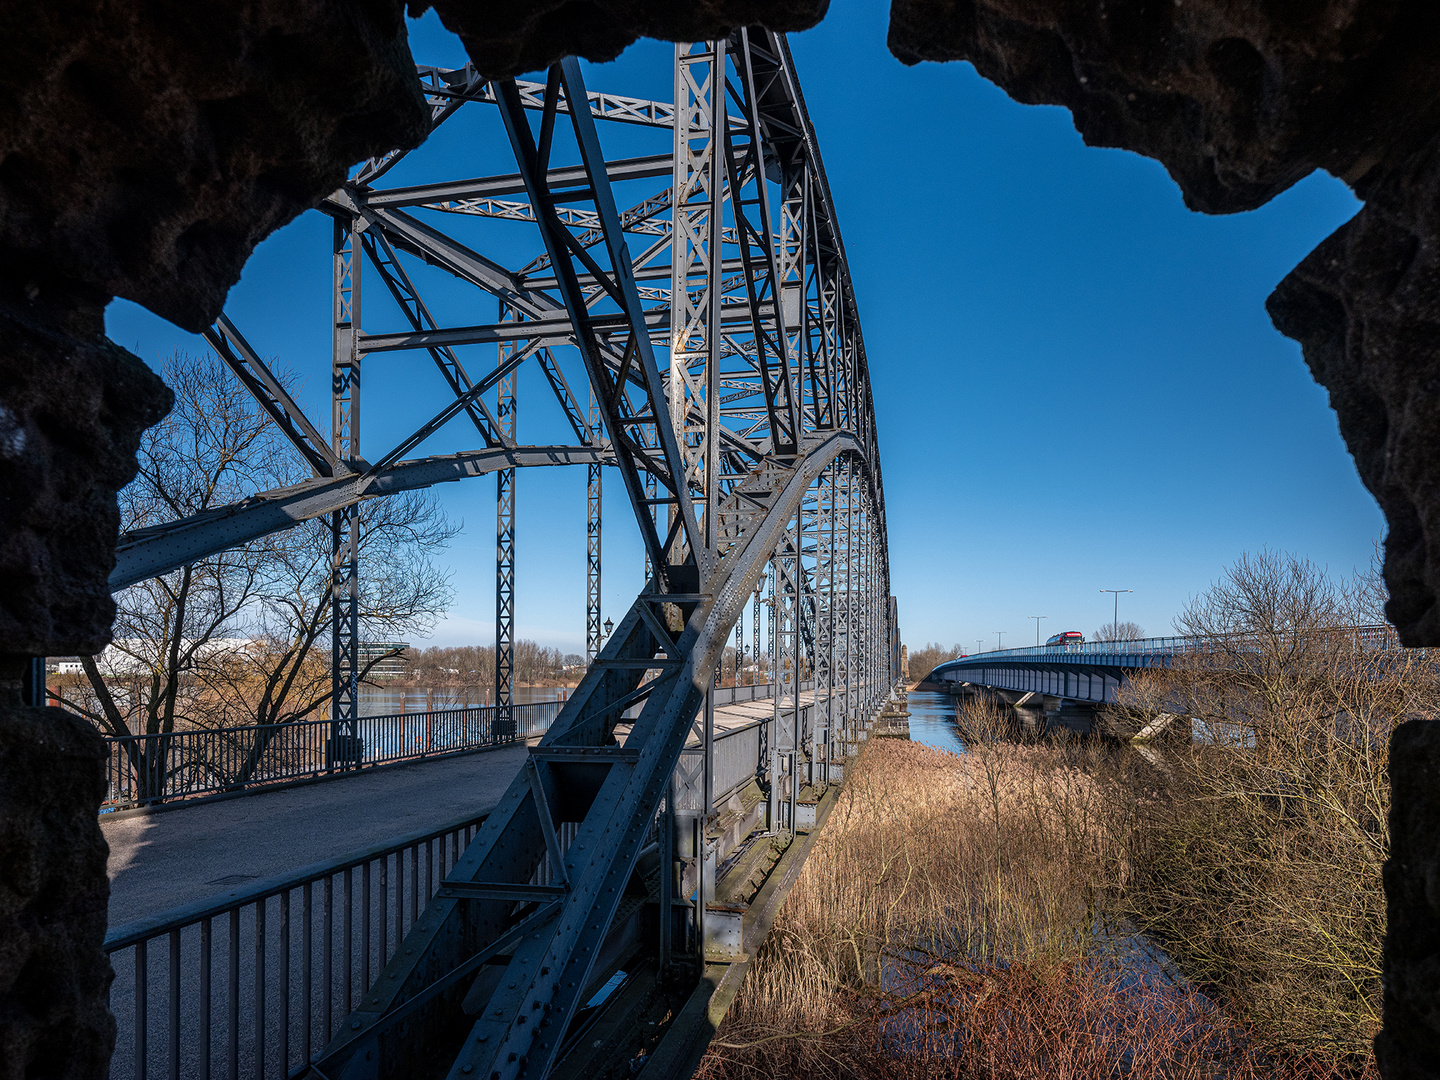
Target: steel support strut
[
  {"x": 728, "y": 388},
  {"x": 344, "y": 749},
  {"x": 503, "y": 725}
]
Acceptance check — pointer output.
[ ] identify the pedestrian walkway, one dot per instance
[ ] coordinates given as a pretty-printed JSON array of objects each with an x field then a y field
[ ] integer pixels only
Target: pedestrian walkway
[{"x": 189, "y": 852}]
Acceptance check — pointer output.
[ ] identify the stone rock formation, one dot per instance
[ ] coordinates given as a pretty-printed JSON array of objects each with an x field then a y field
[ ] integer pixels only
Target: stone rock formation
[
  {"x": 506, "y": 38},
  {"x": 1409, "y": 1046},
  {"x": 54, "y": 1021},
  {"x": 148, "y": 146},
  {"x": 1238, "y": 101},
  {"x": 1365, "y": 305},
  {"x": 72, "y": 408}
]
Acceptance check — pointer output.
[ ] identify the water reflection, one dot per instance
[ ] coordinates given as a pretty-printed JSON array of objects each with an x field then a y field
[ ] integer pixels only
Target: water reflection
[
  {"x": 932, "y": 721},
  {"x": 384, "y": 702}
]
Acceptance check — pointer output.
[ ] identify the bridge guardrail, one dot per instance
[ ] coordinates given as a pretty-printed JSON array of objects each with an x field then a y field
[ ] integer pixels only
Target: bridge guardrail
[
  {"x": 287, "y": 959},
  {"x": 1379, "y": 636},
  {"x": 144, "y": 770}
]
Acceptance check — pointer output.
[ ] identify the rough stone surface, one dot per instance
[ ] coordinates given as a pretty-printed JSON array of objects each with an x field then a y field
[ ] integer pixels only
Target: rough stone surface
[
  {"x": 54, "y": 975},
  {"x": 147, "y": 146},
  {"x": 506, "y": 38},
  {"x": 72, "y": 408},
  {"x": 1365, "y": 305},
  {"x": 1237, "y": 99},
  {"x": 1409, "y": 1046}
]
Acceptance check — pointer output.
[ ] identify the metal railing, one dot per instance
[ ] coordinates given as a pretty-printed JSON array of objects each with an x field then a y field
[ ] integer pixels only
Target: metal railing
[
  {"x": 1370, "y": 637},
  {"x": 253, "y": 984},
  {"x": 738, "y": 753},
  {"x": 148, "y": 769}
]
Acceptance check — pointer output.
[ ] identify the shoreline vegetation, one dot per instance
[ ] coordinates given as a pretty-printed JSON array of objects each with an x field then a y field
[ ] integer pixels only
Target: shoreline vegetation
[
  {"x": 971, "y": 916},
  {"x": 1209, "y": 907}
]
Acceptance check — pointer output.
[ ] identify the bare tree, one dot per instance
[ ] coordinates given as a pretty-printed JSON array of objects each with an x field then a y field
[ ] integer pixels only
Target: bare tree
[
  {"x": 234, "y": 639},
  {"x": 1124, "y": 630},
  {"x": 284, "y": 676},
  {"x": 923, "y": 661},
  {"x": 1262, "y": 872},
  {"x": 213, "y": 448}
]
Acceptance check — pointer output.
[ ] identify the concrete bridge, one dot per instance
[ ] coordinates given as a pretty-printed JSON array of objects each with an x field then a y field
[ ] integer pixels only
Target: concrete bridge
[
  {"x": 1067, "y": 683},
  {"x": 1088, "y": 673}
]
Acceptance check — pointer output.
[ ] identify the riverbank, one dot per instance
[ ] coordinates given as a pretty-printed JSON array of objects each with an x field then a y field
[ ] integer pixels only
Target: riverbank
[{"x": 959, "y": 917}]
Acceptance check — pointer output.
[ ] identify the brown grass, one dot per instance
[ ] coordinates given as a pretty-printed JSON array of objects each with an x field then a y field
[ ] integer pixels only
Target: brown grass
[{"x": 952, "y": 921}]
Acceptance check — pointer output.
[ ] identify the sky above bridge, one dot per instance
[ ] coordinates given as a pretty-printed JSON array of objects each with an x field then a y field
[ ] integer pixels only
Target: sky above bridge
[{"x": 1076, "y": 382}]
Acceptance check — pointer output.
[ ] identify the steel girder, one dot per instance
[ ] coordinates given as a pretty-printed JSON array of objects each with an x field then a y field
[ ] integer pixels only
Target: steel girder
[
  {"x": 342, "y": 749},
  {"x": 728, "y": 386},
  {"x": 757, "y": 434}
]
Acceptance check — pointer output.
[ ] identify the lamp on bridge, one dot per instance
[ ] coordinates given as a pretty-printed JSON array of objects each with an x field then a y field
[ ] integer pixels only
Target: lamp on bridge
[
  {"x": 1037, "y": 619},
  {"x": 1115, "y": 622}
]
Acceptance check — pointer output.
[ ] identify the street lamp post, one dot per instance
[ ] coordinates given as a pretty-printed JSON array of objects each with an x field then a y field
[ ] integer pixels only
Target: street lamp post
[
  {"x": 1115, "y": 622},
  {"x": 979, "y": 645},
  {"x": 1037, "y": 619},
  {"x": 999, "y": 640}
]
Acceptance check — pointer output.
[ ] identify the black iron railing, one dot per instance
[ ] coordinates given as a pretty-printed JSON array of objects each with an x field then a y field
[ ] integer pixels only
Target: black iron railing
[
  {"x": 252, "y": 984},
  {"x": 148, "y": 769}
]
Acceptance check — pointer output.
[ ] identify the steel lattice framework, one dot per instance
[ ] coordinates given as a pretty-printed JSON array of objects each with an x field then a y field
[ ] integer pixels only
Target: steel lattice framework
[{"x": 714, "y": 323}]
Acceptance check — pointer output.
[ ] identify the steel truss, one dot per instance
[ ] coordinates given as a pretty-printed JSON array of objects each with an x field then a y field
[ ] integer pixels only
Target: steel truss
[{"x": 714, "y": 323}]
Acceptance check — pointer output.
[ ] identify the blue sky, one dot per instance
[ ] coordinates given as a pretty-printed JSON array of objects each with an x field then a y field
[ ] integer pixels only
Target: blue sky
[{"x": 1077, "y": 385}]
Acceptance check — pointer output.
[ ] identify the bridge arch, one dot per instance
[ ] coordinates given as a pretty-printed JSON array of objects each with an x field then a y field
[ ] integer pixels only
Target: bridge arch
[{"x": 713, "y": 320}]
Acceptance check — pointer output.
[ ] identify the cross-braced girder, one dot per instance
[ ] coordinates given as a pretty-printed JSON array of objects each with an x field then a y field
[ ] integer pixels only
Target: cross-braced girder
[{"x": 710, "y": 323}]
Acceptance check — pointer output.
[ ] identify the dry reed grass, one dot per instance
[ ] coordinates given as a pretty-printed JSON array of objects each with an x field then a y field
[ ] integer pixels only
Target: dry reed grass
[{"x": 952, "y": 921}]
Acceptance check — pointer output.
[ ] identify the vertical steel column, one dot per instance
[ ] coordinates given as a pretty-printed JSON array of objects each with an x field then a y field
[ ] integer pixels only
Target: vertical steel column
[
  {"x": 345, "y": 524},
  {"x": 696, "y": 290},
  {"x": 825, "y": 569},
  {"x": 503, "y": 726},
  {"x": 739, "y": 649},
  {"x": 851, "y": 606},
  {"x": 772, "y": 651},
  {"x": 755, "y": 614},
  {"x": 785, "y": 738},
  {"x": 593, "y": 491}
]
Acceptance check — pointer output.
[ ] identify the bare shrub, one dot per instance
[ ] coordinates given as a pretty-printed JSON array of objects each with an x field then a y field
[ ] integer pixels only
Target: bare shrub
[{"x": 1261, "y": 871}]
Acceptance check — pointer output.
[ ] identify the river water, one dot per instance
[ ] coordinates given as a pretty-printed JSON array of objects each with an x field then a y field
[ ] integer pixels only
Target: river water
[
  {"x": 932, "y": 721},
  {"x": 418, "y": 698}
]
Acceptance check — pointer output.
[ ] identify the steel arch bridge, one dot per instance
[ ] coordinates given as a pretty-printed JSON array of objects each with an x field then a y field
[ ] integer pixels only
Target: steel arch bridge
[{"x": 710, "y": 321}]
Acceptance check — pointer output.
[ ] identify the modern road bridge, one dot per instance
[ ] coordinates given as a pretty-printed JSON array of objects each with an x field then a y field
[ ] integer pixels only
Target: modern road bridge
[
  {"x": 699, "y": 340},
  {"x": 1090, "y": 672}
]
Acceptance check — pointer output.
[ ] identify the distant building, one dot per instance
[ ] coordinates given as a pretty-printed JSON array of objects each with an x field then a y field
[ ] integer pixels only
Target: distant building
[
  {"x": 138, "y": 656},
  {"x": 392, "y": 667}
]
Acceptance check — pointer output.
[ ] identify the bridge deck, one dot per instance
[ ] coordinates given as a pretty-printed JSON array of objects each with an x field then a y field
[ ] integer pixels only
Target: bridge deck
[{"x": 187, "y": 853}]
